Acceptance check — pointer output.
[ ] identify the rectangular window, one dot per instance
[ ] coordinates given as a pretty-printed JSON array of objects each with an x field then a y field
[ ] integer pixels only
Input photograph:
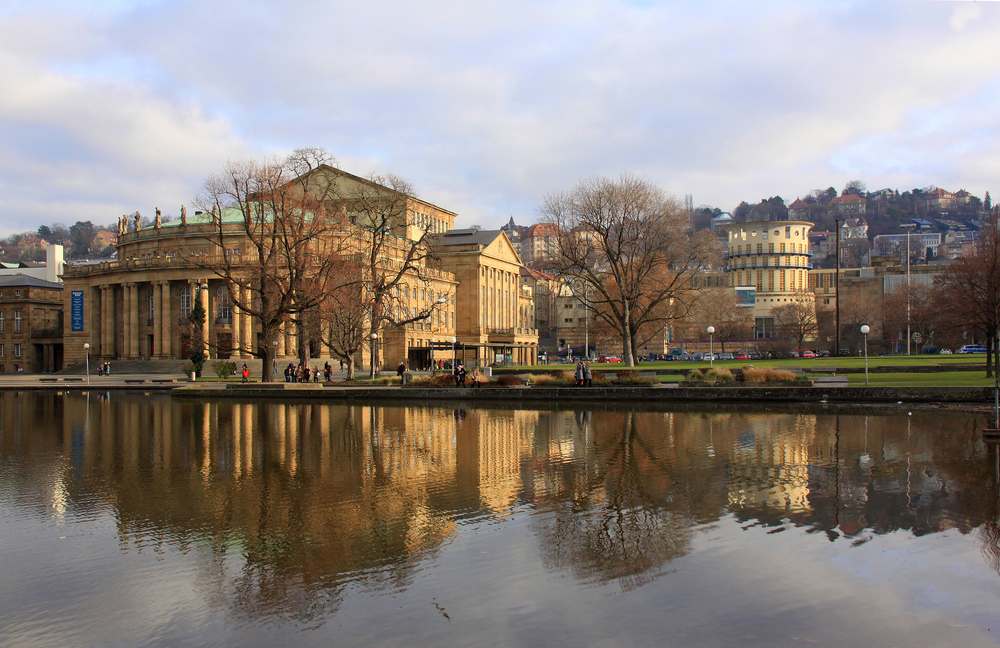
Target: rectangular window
[
  {"x": 760, "y": 248},
  {"x": 1, "y": 350},
  {"x": 17, "y": 350},
  {"x": 17, "y": 321},
  {"x": 770, "y": 248},
  {"x": 760, "y": 280},
  {"x": 770, "y": 281},
  {"x": 781, "y": 248},
  {"x": 2, "y": 317}
]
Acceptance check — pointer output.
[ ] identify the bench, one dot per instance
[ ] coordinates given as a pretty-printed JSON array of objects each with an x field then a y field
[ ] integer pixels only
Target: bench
[
  {"x": 48, "y": 380},
  {"x": 823, "y": 369},
  {"x": 164, "y": 380},
  {"x": 796, "y": 370},
  {"x": 136, "y": 381},
  {"x": 830, "y": 381},
  {"x": 73, "y": 379}
]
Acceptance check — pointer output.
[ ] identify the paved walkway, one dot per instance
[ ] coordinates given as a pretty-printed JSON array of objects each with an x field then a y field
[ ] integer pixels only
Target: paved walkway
[{"x": 131, "y": 380}]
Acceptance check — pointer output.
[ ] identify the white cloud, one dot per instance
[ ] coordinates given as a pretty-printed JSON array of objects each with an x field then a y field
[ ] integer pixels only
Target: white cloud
[{"x": 487, "y": 107}]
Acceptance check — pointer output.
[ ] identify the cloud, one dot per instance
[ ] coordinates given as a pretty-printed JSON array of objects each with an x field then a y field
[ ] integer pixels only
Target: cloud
[{"x": 487, "y": 107}]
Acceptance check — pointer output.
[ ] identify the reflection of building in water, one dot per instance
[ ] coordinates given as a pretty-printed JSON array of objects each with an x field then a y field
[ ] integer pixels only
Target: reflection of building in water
[
  {"x": 499, "y": 447},
  {"x": 769, "y": 463}
]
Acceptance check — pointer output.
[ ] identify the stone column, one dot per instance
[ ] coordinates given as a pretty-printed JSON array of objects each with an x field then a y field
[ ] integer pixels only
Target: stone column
[
  {"x": 107, "y": 322},
  {"x": 203, "y": 296},
  {"x": 235, "y": 327},
  {"x": 127, "y": 322},
  {"x": 133, "y": 320},
  {"x": 246, "y": 324},
  {"x": 156, "y": 350},
  {"x": 166, "y": 341}
]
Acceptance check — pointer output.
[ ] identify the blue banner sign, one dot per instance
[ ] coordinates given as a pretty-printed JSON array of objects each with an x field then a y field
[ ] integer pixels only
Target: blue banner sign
[{"x": 76, "y": 310}]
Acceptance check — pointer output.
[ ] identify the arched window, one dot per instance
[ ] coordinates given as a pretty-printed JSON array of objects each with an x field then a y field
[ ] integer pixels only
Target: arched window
[
  {"x": 223, "y": 304},
  {"x": 186, "y": 301}
]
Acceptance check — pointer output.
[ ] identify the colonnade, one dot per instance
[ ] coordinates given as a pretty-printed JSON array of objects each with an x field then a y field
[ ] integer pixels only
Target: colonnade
[{"x": 139, "y": 320}]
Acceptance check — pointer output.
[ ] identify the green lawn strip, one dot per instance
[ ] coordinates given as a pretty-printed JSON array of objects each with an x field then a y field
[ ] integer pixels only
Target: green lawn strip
[{"x": 942, "y": 379}]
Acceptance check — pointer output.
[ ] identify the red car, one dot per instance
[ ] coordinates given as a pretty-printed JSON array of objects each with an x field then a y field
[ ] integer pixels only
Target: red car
[
  {"x": 609, "y": 359},
  {"x": 806, "y": 353},
  {"x": 742, "y": 356}
]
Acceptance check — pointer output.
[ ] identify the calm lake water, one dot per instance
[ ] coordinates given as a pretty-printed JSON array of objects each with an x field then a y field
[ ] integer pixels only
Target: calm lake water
[{"x": 142, "y": 521}]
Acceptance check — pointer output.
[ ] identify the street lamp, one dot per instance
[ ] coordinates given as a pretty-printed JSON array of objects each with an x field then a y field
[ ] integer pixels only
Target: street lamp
[
  {"x": 453, "y": 341},
  {"x": 86, "y": 350},
  {"x": 711, "y": 348},
  {"x": 374, "y": 352},
  {"x": 864, "y": 330},
  {"x": 908, "y": 227}
]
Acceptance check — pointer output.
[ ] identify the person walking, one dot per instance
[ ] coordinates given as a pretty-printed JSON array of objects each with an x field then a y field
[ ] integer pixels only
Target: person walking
[
  {"x": 588, "y": 375},
  {"x": 246, "y": 373},
  {"x": 461, "y": 375},
  {"x": 327, "y": 370},
  {"x": 456, "y": 372},
  {"x": 578, "y": 374},
  {"x": 401, "y": 369}
]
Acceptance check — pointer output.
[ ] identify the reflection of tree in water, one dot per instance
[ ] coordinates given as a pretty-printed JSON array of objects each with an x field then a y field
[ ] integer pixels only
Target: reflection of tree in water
[
  {"x": 630, "y": 520},
  {"x": 989, "y": 533},
  {"x": 320, "y": 509}
]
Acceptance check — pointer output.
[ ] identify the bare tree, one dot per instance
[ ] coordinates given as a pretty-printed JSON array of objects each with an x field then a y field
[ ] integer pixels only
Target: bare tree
[
  {"x": 274, "y": 238},
  {"x": 389, "y": 248},
  {"x": 719, "y": 307},
  {"x": 968, "y": 292},
  {"x": 631, "y": 243},
  {"x": 796, "y": 320}
]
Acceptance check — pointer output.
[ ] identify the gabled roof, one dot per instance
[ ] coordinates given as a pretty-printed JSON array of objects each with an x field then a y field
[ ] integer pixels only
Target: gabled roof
[
  {"x": 482, "y": 238},
  {"x": 29, "y": 281}
]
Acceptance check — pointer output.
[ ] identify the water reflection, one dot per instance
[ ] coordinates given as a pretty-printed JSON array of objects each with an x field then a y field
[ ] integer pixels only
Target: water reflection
[{"x": 289, "y": 506}]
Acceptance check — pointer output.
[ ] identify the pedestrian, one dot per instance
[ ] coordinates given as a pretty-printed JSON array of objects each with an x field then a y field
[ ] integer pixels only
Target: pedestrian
[
  {"x": 341, "y": 365},
  {"x": 588, "y": 376},
  {"x": 578, "y": 374},
  {"x": 327, "y": 370},
  {"x": 315, "y": 374},
  {"x": 246, "y": 373},
  {"x": 288, "y": 373},
  {"x": 401, "y": 369},
  {"x": 107, "y": 368},
  {"x": 461, "y": 375}
]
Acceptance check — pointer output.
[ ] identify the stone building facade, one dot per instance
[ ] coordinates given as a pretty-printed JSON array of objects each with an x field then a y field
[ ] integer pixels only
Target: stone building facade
[
  {"x": 772, "y": 258},
  {"x": 137, "y": 306},
  {"x": 31, "y": 313}
]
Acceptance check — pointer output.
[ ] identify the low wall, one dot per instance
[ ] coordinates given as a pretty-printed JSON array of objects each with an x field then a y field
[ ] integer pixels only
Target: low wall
[{"x": 659, "y": 394}]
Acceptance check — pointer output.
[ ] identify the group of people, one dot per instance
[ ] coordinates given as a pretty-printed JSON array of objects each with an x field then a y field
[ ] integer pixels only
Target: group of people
[
  {"x": 104, "y": 369},
  {"x": 583, "y": 376},
  {"x": 302, "y": 373}
]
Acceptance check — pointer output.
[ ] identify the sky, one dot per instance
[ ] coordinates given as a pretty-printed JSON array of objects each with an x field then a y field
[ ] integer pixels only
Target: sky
[{"x": 113, "y": 106}]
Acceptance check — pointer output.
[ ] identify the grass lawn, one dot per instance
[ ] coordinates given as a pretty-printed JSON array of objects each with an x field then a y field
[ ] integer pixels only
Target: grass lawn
[{"x": 957, "y": 378}]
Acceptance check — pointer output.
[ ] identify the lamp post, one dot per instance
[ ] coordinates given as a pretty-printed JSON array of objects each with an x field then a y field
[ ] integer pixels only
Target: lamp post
[
  {"x": 374, "y": 352},
  {"x": 274, "y": 360},
  {"x": 86, "y": 350},
  {"x": 908, "y": 227},
  {"x": 711, "y": 347},
  {"x": 864, "y": 330},
  {"x": 453, "y": 341}
]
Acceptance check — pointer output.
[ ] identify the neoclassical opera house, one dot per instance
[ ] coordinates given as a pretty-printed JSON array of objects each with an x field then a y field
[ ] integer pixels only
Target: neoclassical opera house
[{"x": 137, "y": 307}]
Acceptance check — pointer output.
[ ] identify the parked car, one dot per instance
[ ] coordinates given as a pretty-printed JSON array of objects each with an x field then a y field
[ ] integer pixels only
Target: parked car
[
  {"x": 790, "y": 354},
  {"x": 742, "y": 356},
  {"x": 806, "y": 353},
  {"x": 609, "y": 358},
  {"x": 972, "y": 348},
  {"x": 945, "y": 352},
  {"x": 822, "y": 353}
]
